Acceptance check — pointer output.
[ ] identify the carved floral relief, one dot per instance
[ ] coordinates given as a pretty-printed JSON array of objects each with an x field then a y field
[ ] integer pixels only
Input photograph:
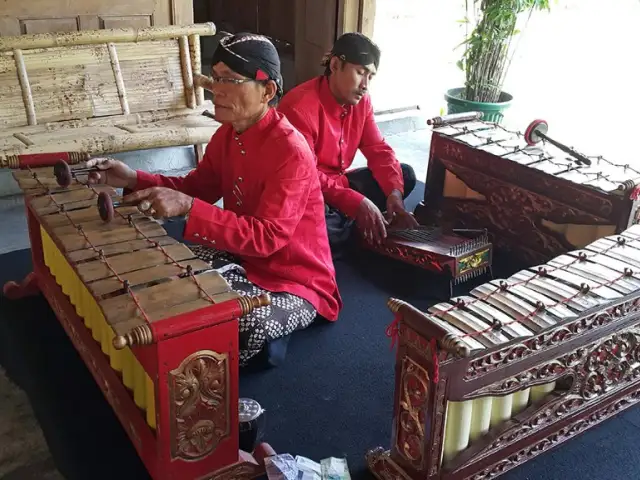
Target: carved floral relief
[{"x": 200, "y": 405}]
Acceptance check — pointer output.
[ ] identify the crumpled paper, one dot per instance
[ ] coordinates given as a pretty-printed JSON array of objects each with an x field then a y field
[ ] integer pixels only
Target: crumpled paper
[
  {"x": 285, "y": 467},
  {"x": 308, "y": 469},
  {"x": 335, "y": 469},
  {"x": 281, "y": 467}
]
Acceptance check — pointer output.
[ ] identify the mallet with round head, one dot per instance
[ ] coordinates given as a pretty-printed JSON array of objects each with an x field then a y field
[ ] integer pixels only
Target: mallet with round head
[
  {"x": 64, "y": 174},
  {"x": 537, "y": 131},
  {"x": 106, "y": 206}
]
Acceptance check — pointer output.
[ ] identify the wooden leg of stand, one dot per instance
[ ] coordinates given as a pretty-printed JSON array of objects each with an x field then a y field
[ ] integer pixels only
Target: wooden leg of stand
[{"x": 27, "y": 288}]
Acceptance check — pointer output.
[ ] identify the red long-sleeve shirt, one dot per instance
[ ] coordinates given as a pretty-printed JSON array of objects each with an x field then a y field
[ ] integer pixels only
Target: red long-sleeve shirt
[
  {"x": 273, "y": 216},
  {"x": 335, "y": 133}
]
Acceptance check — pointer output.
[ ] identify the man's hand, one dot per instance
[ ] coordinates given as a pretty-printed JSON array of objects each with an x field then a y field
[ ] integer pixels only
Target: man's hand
[
  {"x": 397, "y": 215},
  {"x": 112, "y": 172},
  {"x": 163, "y": 202},
  {"x": 371, "y": 222}
]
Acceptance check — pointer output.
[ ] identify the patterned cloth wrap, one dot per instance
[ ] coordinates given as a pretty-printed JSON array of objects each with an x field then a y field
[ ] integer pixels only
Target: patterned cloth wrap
[{"x": 286, "y": 314}]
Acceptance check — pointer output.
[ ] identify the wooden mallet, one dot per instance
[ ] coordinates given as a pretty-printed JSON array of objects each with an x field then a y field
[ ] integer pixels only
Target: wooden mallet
[
  {"x": 537, "y": 131},
  {"x": 106, "y": 206},
  {"x": 64, "y": 174}
]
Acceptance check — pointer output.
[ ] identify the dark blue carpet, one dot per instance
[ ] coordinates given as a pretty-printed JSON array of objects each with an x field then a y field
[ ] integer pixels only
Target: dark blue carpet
[{"x": 332, "y": 397}]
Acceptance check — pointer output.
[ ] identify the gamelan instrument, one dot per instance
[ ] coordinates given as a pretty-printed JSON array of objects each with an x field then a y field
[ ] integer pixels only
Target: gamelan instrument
[
  {"x": 487, "y": 381},
  {"x": 537, "y": 197},
  {"x": 459, "y": 254},
  {"x": 156, "y": 326}
]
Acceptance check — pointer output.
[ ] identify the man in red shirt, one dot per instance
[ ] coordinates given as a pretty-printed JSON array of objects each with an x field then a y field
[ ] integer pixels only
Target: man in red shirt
[
  {"x": 334, "y": 113},
  {"x": 271, "y": 234}
]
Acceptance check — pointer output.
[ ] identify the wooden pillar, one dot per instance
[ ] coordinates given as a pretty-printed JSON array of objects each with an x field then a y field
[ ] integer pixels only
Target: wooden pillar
[
  {"x": 367, "y": 17},
  {"x": 348, "y": 16},
  {"x": 356, "y": 16}
]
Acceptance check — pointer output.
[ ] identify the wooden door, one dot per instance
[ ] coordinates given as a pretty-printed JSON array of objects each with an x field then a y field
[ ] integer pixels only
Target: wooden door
[
  {"x": 277, "y": 17},
  {"x": 316, "y": 30},
  {"x": 320, "y": 23},
  {"x": 234, "y": 15},
  {"x": 19, "y": 17},
  {"x": 273, "y": 18}
]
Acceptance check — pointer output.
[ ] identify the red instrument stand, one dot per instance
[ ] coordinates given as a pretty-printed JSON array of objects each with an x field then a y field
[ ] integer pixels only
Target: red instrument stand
[{"x": 195, "y": 377}]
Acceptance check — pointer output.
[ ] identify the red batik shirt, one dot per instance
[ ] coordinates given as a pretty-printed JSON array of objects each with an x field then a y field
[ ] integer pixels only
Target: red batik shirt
[
  {"x": 335, "y": 133},
  {"x": 273, "y": 217}
]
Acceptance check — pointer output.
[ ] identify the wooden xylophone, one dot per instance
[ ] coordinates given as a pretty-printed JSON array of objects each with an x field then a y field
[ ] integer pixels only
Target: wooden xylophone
[
  {"x": 157, "y": 327},
  {"x": 489, "y": 380},
  {"x": 537, "y": 197},
  {"x": 458, "y": 254}
]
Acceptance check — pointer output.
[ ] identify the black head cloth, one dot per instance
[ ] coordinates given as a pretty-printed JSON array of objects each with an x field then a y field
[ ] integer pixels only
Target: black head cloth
[
  {"x": 250, "y": 55},
  {"x": 356, "y": 48}
]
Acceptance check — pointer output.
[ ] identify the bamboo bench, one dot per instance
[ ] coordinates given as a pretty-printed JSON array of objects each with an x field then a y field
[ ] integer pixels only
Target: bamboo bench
[{"x": 102, "y": 92}]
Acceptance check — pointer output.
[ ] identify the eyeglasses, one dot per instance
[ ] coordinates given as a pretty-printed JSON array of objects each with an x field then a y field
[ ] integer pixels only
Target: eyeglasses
[{"x": 232, "y": 81}]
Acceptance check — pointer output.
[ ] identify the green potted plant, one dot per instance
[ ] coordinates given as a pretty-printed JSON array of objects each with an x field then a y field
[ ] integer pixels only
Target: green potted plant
[{"x": 488, "y": 51}]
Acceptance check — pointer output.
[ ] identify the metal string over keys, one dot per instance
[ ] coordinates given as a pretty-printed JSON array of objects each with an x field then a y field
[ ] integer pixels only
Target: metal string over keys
[
  {"x": 537, "y": 131},
  {"x": 106, "y": 206},
  {"x": 105, "y": 200}
]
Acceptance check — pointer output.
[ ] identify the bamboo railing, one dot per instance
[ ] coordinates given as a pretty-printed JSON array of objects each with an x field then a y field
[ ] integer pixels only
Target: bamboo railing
[
  {"x": 119, "y": 35},
  {"x": 117, "y": 89}
]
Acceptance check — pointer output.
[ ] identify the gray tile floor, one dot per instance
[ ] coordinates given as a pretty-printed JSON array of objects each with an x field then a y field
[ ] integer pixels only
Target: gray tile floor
[{"x": 411, "y": 147}]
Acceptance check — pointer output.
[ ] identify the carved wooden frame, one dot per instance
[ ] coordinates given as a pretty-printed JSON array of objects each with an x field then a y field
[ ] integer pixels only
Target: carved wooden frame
[
  {"x": 518, "y": 199},
  {"x": 596, "y": 358},
  {"x": 199, "y": 404}
]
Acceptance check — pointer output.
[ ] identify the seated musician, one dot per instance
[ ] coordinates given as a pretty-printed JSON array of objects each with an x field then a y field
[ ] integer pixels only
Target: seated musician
[
  {"x": 270, "y": 236},
  {"x": 334, "y": 113}
]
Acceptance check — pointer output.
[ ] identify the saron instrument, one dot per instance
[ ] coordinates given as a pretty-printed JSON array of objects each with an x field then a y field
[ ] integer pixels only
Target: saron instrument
[
  {"x": 489, "y": 380},
  {"x": 538, "y": 197},
  {"x": 155, "y": 325}
]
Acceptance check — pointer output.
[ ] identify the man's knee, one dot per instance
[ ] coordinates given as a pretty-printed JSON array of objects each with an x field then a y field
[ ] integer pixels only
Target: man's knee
[{"x": 409, "y": 177}]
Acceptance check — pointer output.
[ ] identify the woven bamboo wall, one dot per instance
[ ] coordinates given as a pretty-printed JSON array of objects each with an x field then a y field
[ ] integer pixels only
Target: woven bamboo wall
[
  {"x": 90, "y": 74},
  {"x": 102, "y": 91},
  {"x": 82, "y": 81}
]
